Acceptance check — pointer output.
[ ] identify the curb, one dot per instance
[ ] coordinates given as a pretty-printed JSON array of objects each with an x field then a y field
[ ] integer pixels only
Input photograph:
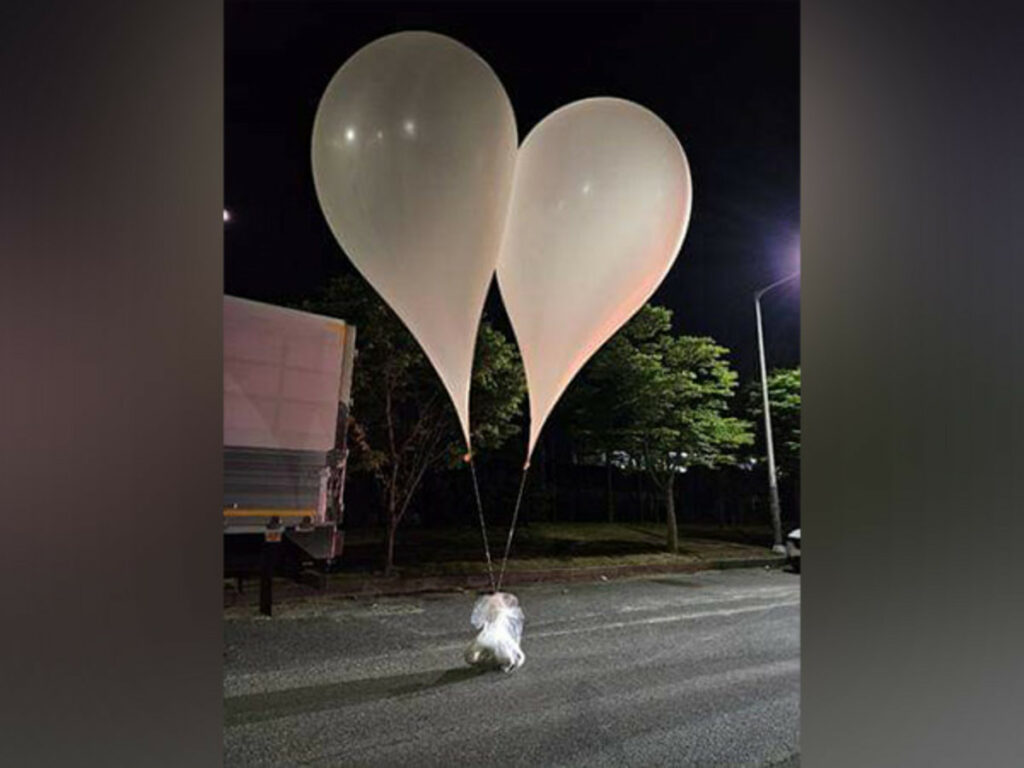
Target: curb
[{"x": 380, "y": 587}]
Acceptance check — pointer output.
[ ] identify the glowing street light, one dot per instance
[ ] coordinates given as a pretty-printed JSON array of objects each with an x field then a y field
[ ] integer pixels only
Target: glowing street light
[
  {"x": 773, "y": 481},
  {"x": 227, "y": 215}
]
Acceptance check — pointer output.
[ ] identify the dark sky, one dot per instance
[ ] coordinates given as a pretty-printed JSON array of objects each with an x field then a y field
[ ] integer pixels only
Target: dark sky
[{"x": 723, "y": 76}]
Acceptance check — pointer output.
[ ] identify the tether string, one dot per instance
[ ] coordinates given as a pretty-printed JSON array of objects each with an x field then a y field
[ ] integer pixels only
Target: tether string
[
  {"x": 512, "y": 527},
  {"x": 483, "y": 527}
]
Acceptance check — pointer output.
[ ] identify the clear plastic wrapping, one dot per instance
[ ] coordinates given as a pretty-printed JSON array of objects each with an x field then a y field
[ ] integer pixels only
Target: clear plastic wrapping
[{"x": 500, "y": 621}]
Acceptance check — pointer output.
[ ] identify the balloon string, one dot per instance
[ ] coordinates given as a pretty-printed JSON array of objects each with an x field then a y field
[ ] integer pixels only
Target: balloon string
[
  {"x": 483, "y": 526},
  {"x": 512, "y": 527}
]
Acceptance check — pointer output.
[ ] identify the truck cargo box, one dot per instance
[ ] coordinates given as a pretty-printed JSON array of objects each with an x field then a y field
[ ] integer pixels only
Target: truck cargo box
[{"x": 287, "y": 384}]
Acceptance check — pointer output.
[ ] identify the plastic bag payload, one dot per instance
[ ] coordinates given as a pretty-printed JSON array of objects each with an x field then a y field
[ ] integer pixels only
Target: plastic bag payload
[{"x": 500, "y": 621}]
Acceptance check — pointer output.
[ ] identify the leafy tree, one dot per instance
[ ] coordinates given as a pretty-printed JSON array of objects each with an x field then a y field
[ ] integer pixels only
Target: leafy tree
[
  {"x": 658, "y": 402},
  {"x": 402, "y": 421},
  {"x": 784, "y": 401}
]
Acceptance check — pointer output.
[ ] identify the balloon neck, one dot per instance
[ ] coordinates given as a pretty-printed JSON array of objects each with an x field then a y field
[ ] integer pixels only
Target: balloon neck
[
  {"x": 526, "y": 466},
  {"x": 468, "y": 457}
]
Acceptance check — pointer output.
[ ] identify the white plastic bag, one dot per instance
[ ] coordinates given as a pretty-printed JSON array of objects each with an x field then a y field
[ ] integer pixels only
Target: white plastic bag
[{"x": 500, "y": 621}]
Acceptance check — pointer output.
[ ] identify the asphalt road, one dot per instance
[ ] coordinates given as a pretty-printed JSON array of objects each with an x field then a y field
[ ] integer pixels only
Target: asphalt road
[{"x": 686, "y": 670}]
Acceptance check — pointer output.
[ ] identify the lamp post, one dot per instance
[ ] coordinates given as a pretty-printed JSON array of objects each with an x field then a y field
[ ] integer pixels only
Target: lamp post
[{"x": 773, "y": 482}]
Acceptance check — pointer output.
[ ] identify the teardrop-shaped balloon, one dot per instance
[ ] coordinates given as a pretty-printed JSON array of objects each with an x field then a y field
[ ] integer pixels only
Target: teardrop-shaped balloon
[
  {"x": 599, "y": 209},
  {"x": 414, "y": 148}
]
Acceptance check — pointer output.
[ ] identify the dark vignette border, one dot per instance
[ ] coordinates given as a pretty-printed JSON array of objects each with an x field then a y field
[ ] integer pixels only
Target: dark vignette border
[
  {"x": 913, "y": 369},
  {"x": 110, "y": 415}
]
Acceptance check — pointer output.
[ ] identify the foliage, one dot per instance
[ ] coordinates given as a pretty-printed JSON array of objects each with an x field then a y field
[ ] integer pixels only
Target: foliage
[
  {"x": 657, "y": 401},
  {"x": 498, "y": 391},
  {"x": 402, "y": 422},
  {"x": 784, "y": 401}
]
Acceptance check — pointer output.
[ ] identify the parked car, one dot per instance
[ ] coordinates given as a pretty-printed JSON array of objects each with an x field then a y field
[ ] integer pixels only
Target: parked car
[{"x": 793, "y": 550}]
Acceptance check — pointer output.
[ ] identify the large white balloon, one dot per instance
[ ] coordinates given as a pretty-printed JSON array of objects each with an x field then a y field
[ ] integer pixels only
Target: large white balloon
[
  {"x": 599, "y": 209},
  {"x": 414, "y": 148}
]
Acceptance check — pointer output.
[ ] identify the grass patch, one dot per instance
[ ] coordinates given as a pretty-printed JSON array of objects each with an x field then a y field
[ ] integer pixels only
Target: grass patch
[{"x": 542, "y": 546}]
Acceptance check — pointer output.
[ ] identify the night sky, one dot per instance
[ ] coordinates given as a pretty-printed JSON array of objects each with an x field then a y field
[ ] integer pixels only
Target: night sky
[{"x": 723, "y": 76}]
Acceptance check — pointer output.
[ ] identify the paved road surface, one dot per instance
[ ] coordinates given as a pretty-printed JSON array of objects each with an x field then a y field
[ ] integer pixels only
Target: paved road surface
[{"x": 687, "y": 670}]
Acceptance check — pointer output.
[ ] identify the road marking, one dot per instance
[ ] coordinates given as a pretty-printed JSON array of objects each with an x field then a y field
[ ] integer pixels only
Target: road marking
[
  {"x": 663, "y": 619},
  {"x": 756, "y": 594}
]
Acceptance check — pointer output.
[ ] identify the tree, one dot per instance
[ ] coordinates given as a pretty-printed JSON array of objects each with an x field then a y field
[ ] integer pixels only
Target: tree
[
  {"x": 402, "y": 421},
  {"x": 614, "y": 392},
  {"x": 660, "y": 402},
  {"x": 784, "y": 401}
]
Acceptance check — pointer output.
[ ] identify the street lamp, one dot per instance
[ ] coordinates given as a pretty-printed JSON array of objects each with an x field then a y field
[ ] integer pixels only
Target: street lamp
[{"x": 773, "y": 482}]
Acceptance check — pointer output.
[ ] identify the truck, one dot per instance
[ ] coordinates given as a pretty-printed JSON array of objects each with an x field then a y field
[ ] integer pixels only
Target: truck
[{"x": 287, "y": 396}]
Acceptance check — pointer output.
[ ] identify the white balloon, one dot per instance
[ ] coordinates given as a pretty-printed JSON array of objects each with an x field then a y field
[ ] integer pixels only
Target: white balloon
[
  {"x": 414, "y": 149},
  {"x": 599, "y": 209}
]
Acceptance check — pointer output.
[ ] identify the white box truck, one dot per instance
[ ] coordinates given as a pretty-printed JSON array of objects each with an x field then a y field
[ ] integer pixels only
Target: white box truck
[{"x": 287, "y": 392}]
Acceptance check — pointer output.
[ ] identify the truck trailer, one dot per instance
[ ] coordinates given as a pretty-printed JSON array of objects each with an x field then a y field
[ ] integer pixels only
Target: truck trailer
[{"x": 287, "y": 394}]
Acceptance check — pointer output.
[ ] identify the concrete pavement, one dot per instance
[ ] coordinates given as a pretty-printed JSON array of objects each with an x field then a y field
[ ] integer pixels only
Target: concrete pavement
[{"x": 684, "y": 670}]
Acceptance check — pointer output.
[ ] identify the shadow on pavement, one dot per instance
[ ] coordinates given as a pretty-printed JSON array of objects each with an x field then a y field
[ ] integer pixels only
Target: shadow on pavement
[
  {"x": 258, "y": 707},
  {"x": 669, "y": 581}
]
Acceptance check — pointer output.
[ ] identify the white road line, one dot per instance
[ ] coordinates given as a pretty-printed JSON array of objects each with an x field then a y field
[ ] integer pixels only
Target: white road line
[{"x": 664, "y": 619}]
